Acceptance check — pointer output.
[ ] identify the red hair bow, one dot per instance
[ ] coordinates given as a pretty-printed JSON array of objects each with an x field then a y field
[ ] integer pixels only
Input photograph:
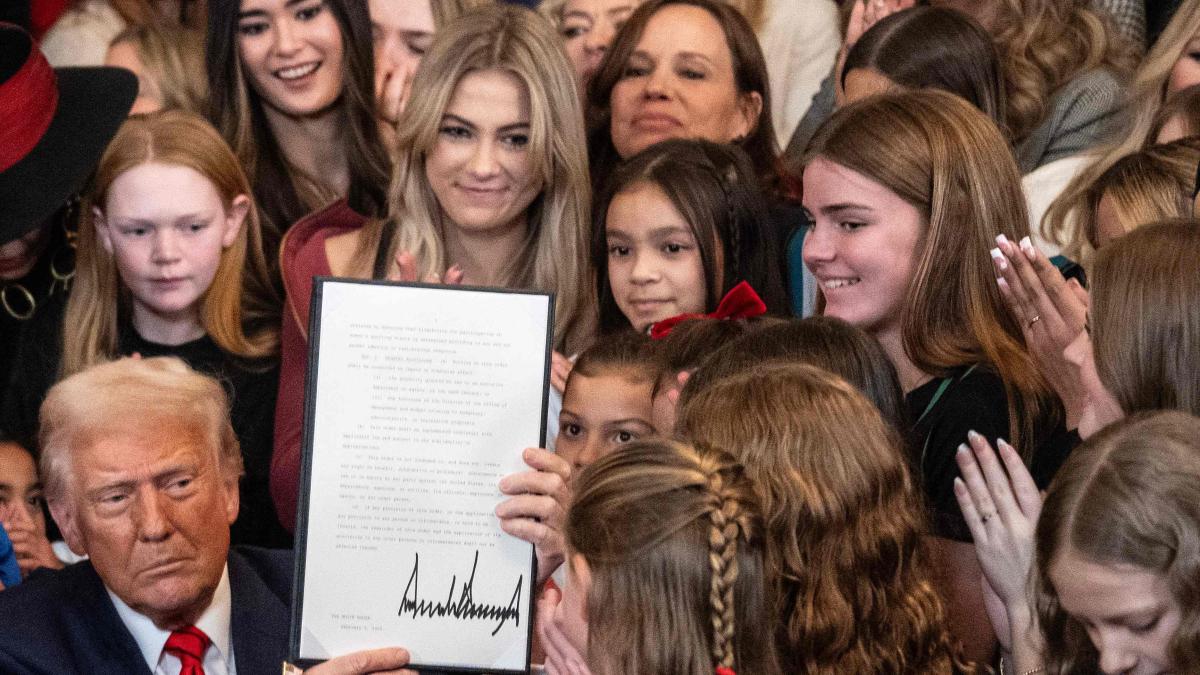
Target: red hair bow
[
  {"x": 741, "y": 302},
  {"x": 722, "y": 670}
]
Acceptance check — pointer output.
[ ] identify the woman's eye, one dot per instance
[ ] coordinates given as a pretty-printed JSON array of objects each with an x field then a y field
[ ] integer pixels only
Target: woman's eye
[
  {"x": 572, "y": 32},
  {"x": 674, "y": 247},
  {"x": 195, "y": 227},
  {"x": 623, "y": 436},
  {"x": 135, "y": 231},
  {"x": 570, "y": 429},
  {"x": 416, "y": 49},
  {"x": 252, "y": 29},
  {"x": 691, "y": 74},
  {"x": 618, "y": 251},
  {"x": 635, "y": 71},
  {"x": 308, "y": 13},
  {"x": 455, "y": 132},
  {"x": 850, "y": 225},
  {"x": 516, "y": 140},
  {"x": 1146, "y": 627}
]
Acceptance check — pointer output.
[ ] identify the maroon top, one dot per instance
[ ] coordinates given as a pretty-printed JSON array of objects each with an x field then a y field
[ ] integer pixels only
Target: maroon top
[{"x": 302, "y": 257}]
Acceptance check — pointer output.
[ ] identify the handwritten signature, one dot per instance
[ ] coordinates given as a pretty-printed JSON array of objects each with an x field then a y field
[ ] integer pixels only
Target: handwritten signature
[{"x": 464, "y": 609}]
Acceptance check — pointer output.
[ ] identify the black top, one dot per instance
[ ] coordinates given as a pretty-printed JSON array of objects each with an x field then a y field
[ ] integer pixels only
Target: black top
[
  {"x": 974, "y": 399},
  {"x": 251, "y": 389},
  {"x": 41, "y": 292}
]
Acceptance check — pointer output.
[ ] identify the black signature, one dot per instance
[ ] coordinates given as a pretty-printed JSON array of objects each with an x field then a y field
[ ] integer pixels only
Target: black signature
[{"x": 464, "y": 608}]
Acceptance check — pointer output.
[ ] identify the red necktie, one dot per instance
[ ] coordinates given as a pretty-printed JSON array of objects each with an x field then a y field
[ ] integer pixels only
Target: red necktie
[{"x": 188, "y": 645}]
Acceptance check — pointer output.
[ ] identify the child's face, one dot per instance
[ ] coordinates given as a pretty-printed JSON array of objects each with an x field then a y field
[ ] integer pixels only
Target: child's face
[
  {"x": 20, "y": 489},
  {"x": 166, "y": 227},
  {"x": 654, "y": 264},
  {"x": 601, "y": 413}
]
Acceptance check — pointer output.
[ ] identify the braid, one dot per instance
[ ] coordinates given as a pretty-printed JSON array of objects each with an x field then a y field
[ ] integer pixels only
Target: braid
[{"x": 722, "y": 557}]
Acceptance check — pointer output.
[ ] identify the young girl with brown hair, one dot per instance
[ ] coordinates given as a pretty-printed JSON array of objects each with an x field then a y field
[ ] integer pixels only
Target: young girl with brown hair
[
  {"x": 907, "y": 192},
  {"x": 665, "y": 543},
  {"x": 171, "y": 263},
  {"x": 844, "y": 520}
]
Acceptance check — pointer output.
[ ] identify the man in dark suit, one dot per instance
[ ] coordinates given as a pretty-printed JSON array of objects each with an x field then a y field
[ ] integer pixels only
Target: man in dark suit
[{"x": 141, "y": 469}]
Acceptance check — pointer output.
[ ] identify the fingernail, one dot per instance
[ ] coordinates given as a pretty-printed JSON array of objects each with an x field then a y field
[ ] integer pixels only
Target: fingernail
[
  {"x": 963, "y": 449},
  {"x": 973, "y": 435},
  {"x": 504, "y": 483},
  {"x": 959, "y": 486},
  {"x": 998, "y": 257},
  {"x": 1001, "y": 239},
  {"x": 1027, "y": 247},
  {"x": 1003, "y": 443}
]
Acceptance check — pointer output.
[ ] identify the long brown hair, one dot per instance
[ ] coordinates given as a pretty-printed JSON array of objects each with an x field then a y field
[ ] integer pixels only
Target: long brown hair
[
  {"x": 1145, "y": 327},
  {"x": 749, "y": 76},
  {"x": 673, "y": 539},
  {"x": 943, "y": 156},
  {"x": 844, "y": 520},
  {"x": 283, "y": 195},
  {"x": 1130, "y": 495},
  {"x": 239, "y": 311}
]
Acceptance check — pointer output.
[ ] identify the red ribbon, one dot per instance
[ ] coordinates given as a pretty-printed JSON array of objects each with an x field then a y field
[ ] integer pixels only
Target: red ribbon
[
  {"x": 27, "y": 104},
  {"x": 722, "y": 670},
  {"x": 741, "y": 302}
]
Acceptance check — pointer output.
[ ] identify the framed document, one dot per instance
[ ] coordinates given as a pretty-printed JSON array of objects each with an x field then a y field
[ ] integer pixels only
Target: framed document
[{"x": 419, "y": 399}]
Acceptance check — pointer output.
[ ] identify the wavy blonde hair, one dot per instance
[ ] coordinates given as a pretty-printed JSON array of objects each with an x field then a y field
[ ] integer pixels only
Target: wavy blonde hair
[
  {"x": 446, "y": 11},
  {"x": 1146, "y": 94},
  {"x": 554, "y": 254},
  {"x": 673, "y": 538},
  {"x": 1130, "y": 495},
  {"x": 239, "y": 311},
  {"x": 844, "y": 520},
  {"x": 1043, "y": 45},
  {"x": 1144, "y": 187},
  {"x": 946, "y": 158},
  {"x": 173, "y": 57}
]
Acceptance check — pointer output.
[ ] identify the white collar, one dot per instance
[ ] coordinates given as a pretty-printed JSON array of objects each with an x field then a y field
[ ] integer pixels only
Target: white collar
[{"x": 215, "y": 622}]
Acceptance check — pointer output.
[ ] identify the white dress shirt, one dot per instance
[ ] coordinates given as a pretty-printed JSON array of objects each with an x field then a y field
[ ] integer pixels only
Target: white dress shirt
[{"x": 215, "y": 622}]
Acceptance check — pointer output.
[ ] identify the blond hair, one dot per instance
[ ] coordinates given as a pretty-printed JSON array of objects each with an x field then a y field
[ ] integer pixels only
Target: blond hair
[
  {"x": 554, "y": 254},
  {"x": 157, "y": 398},
  {"x": 1129, "y": 496},
  {"x": 1145, "y": 327},
  {"x": 446, "y": 11},
  {"x": 673, "y": 540},
  {"x": 844, "y": 519},
  {"x": 173, "y": 57},
  {"x": 1043, "y": 45},
  {"x": 1062, "y": 223},
  {"x": 948, "y": 160},
  {"x": 1146, "y": 186},
  {"x": 240, "y": 309}
]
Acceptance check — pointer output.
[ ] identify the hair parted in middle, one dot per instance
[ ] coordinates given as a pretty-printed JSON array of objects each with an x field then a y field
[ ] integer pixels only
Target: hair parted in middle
[
  {"x": 673, "y": 540},
  {"x": 236, "y": 110},
  {"x": 844, "y": 519},
  {"x": 946, "y": 158},
  {"x": 1129, "y": 496},
  {"x": 239, "y": 311},
  {"x": 1144, "y": 324},
  {"x": 554, "y": 255},
  {"x": 712, "y": 186},
  {"x": 749, "y": 75},
  {"x": 936, "y": 48}
]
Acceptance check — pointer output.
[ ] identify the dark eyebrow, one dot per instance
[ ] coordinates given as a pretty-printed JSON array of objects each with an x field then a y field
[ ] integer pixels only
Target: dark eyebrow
[{"x": 631, "y": 420}]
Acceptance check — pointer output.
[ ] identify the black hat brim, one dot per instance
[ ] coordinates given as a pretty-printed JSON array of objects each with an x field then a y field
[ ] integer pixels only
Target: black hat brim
[{"x": 92, "y": 104}]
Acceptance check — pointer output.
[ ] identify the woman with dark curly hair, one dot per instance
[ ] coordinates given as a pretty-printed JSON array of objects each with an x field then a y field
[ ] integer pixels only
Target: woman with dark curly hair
[{"x": 844, "y": 521}]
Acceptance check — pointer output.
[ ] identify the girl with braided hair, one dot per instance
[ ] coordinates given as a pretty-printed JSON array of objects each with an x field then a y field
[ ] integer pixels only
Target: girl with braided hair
[
  {"x": 665, "y": 545},
  {"x": 677, "y": 226}
]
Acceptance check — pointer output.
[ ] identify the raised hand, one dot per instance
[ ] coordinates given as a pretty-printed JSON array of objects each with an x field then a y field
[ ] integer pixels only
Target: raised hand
[
  {"x": 561, "y": 656},
  {"x": 407, "y": 270},
  {"x": 1052, "y": 312},
  {"x": 1001, "y": 505},
  {"x": 537, "y": 508}
]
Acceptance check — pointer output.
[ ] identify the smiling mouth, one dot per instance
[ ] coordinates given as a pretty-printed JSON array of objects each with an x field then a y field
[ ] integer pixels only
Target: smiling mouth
[
  {"x": 297, "y": 72},
  {"x": 832, "y": 284},
  {"x": 653, "y": 122}
]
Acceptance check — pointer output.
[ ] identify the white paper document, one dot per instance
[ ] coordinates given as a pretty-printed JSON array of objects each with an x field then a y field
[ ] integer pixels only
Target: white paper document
[{"x": 420, "y": 398}]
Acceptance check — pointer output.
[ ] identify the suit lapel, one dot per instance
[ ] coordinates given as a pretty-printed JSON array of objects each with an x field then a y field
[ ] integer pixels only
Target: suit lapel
[
  {"x": 94, "y": 624},
  {"x": 259, "y": 619}
]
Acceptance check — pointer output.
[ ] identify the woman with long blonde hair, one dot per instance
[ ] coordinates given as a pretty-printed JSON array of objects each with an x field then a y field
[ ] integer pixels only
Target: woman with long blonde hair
[
  {"x": 171, "y": 264},
  {"x": 844, "y": 519},
  {"x": 490, "y": 187},
  {"x": 1168, "y": 68},
  {"x": 907, "y": 193},
  {"x": 665, "y": 542}
]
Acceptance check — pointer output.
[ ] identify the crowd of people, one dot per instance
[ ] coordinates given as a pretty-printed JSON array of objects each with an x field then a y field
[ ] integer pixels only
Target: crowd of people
[{"x": 874, "y": 339}]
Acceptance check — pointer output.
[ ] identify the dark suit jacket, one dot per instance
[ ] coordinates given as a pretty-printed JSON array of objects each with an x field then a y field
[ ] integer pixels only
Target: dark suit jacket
[{"x": 63, "y": 622}]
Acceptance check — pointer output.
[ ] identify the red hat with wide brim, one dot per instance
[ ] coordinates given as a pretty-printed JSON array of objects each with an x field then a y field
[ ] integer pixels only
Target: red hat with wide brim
[{"x": 54, "y": 126}]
